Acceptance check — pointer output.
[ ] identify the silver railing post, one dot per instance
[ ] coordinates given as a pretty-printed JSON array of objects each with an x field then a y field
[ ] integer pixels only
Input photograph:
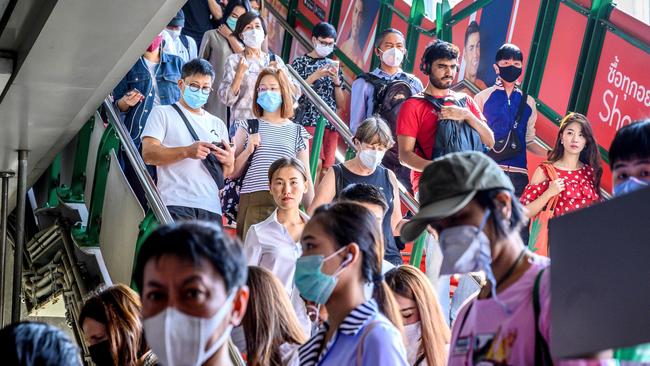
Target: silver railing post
[{"x": 4, "y": 213}]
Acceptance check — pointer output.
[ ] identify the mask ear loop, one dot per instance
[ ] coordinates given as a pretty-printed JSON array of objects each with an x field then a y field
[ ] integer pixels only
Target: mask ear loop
[{"x": 488, "y": 269}]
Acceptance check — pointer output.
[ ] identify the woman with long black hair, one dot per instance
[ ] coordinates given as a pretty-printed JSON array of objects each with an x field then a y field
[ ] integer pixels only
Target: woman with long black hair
[{"x": 341, "y": 245}]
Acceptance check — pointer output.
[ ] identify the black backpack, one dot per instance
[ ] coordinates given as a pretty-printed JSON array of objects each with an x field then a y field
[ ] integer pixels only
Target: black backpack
[
  {"x": 451, "y": 135},
  {"x": 388, "y": 97}
]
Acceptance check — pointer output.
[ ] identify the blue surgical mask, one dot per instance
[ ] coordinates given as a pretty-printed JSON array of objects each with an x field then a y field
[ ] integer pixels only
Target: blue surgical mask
[
  {"x": 313, "y": 284},
  {"x": 231, "y": 23},
  {"x": 629, "y": 185},
  {"x": 270, "y": 101},
  {"x": 194, "y": 99}
]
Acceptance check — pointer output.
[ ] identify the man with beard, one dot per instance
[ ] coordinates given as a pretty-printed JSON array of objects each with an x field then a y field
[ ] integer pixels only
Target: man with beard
[
  {"x": 417, "y": 127},
  {"x": 418, "y": 118}
]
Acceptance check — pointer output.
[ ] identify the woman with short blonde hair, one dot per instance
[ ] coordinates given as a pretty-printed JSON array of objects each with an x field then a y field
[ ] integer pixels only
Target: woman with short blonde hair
[{"x": 372, "y": 139}]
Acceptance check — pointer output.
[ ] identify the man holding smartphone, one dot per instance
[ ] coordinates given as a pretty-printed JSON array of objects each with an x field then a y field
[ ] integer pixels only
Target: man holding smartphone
[
  {"x": 325, "y": 77},
  {"x": 187, "y": 186}
]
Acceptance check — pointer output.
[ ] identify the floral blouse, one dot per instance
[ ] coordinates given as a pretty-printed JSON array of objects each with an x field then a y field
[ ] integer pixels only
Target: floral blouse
[
  {"x": 579, "y": 190},
  {"x": 307, "y": 114},
  {"x": 241, "y": 105}
]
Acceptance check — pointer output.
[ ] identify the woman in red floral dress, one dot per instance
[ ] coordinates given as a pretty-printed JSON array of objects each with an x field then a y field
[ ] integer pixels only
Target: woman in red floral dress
[{"x": 576, "y": 161}]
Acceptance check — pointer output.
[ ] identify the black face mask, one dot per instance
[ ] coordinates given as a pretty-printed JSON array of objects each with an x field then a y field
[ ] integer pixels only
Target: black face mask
[
  {"x": 101, "y": 355},
  {"x": 509, "y": 73}
]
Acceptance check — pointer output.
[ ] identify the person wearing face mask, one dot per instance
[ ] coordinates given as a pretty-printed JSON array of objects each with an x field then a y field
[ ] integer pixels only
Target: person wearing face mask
[
  {"x": 151, "y": 81},
  {"x": 340, "y": 256},
  {"x": 629, "y": 157},
  {"x": 274, "y": 243},
  {"x": 179, "y": 139},
  {"x": 217, "y": 45},
  {"x": 112, "y": 328},
  {"x": 372, "y": 139},
  {"x": 569, "y": 179},
  {"x": 176, "y": 43},
  {"x": 426, "y": 331},
  {"x": 277, "y": 137},
  {"x": 192, "y": 281},
  {"x": 325, "y": 77},
  {"x": 242, "y": 69},
  {"x": 389, "y": 47},
  {"x": 511, "y": 114},
  {"x": 470, "y": 201},
  {"x": 273, "y": 332},
  {"x": 629, "y": 160}
]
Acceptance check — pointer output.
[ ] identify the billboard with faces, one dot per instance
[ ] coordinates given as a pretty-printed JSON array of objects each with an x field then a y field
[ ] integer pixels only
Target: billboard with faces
[
  {"x": 275, "y": 35},
  {"x": 480, "y": 35},
  {"x": 357, "y": 30}
]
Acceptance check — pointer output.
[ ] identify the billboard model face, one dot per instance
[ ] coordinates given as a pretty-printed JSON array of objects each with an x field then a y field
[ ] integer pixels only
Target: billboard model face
[{"x": 357, "y": 30}]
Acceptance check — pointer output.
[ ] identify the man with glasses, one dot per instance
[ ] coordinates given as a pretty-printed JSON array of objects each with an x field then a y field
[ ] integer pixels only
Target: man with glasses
[{"x": 187, "y": 187}]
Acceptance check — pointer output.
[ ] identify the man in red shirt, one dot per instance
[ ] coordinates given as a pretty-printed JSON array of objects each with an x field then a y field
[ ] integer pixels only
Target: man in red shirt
[{"x": 417, "y": 121}]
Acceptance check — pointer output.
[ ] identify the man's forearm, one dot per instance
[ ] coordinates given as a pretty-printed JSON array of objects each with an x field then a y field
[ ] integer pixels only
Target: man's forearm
[
  {"x": 160, "y": 155},
  {"x": 484, "y": 131},
  {"x": 413, "y": 161}
]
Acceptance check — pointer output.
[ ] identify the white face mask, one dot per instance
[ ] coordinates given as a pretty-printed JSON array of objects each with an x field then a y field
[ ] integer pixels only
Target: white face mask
[
  {"x": 253, "y": 38},
  {"x": 174, "y": 33},
  {"x": 371, "y": 158},
  {"x": 179, "y": 339},
  {"x": 392, "y": 57},
  {"x": 413, "y": 333},
  {"x": 322, "y": 50}
]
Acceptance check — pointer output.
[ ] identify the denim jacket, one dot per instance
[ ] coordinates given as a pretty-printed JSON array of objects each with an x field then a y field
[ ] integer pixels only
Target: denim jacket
[{"x": 138, "y": 77}]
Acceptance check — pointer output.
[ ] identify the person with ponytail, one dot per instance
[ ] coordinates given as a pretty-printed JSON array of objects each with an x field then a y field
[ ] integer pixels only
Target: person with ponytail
[
  {"x": 340, "y": 256},
  {"x": 426, "y": 331}
]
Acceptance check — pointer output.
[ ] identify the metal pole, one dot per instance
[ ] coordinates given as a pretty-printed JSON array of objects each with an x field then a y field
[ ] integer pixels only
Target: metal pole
[
  {"x": 318, "y": 146},
  {"x": 21, "y": 196},
  {"x": 3, "y": 236}
]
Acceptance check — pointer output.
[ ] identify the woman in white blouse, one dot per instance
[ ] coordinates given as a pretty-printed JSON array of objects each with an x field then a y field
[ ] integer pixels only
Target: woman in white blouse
[
  {"x": 274, "y": 243},
  {"x": 242, "y": 69}
]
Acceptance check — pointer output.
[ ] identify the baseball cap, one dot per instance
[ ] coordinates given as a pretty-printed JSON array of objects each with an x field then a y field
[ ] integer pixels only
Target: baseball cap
[{"x": 449, "y": 183}]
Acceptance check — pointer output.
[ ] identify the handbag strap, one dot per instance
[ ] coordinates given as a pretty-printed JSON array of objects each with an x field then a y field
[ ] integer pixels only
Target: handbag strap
[
  {"x": 187, "y": 123},
  {"x": 253, "y": 127},
  {"x": 542, "y": 352},
  {"x": 551, "y": 173}
]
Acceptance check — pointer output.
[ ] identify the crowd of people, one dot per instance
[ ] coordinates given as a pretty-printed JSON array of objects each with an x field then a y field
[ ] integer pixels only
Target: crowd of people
[{"x": 313, "y": 274}]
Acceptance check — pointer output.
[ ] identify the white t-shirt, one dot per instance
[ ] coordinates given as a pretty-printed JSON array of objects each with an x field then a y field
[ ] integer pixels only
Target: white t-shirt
[
  {"x": 153, "y": 67},
  {"x": 187, "y": 182}
]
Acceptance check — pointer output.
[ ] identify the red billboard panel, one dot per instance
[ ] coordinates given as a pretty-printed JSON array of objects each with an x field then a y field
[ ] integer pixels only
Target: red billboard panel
[
  {"x": 315, "y": 10},
  {"x": 562, "y": 62},
  {"x": 276, "y": 32},
  {"x": 621, "y": 91}
]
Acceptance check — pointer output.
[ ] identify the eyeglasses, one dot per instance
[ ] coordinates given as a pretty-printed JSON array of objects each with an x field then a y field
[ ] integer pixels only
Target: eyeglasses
[
  {"x": 195, "y": 87},
  {"x": 326, "y": 44}
]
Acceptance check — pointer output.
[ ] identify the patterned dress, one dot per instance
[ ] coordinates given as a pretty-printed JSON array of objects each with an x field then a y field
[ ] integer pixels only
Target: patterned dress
[{"x": 579, "y": 190}]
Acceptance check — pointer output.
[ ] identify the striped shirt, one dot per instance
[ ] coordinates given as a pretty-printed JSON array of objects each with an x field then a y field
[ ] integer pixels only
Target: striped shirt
[
  {"x": 276, "y": 141},
  {"x": 382, "y": 345}
]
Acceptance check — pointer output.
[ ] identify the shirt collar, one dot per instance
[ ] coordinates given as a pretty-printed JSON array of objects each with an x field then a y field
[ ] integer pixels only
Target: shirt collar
[
  {"x": 273, "y": 218},
  {"x": 381, "y": 73},
  {"x": 310, "y": 352}
]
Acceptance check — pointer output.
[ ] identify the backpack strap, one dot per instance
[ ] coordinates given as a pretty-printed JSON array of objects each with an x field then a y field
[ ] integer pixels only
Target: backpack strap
[
  {"x": 520, "y": 109},
  {"x": 542, "y": 351},
  {"x": 185, "y": 42},
  {"x": 366, "y": 330}
]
